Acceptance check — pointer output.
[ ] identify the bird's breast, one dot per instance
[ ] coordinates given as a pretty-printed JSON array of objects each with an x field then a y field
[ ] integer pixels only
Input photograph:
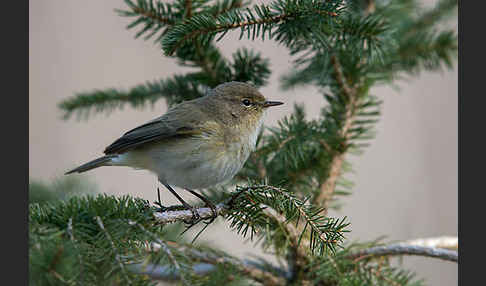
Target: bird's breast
[{"x": 203, "y": 161}]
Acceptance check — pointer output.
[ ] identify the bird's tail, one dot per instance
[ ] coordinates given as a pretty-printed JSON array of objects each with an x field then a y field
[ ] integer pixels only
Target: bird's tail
[{"x": 102, "y": 161}]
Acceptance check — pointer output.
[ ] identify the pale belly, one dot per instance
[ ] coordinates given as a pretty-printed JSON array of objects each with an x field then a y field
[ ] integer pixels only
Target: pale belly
[
  {"x": 195, "y": 166},
  {"x": 202, "y": 174}
]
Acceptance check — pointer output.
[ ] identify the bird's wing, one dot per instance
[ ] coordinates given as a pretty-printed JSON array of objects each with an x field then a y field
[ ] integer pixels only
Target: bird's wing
[{"x": 179, "y": 122}]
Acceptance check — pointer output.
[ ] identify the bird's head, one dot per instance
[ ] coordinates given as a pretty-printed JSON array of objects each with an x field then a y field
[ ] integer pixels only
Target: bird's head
[{"x": 242, "y": 101}]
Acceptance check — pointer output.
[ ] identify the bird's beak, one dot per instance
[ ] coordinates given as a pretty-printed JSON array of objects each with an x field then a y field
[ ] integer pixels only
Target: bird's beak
[{"x": 271, "y": 103}]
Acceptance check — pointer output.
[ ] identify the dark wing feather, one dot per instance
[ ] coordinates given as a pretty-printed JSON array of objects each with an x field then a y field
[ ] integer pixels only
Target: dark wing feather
[{"x": 163, "y": 127}]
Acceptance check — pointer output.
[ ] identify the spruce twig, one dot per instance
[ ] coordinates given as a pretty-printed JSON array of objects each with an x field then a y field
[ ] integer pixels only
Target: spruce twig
[
  {"x": 298, "y": 255},
  {"x": 403, "y": 249},
  {"x": 73, "y": 240},
  {"x": 153, "y": 16},
  {"x": 209, "y": 24},
  {"x": 328, "y": 186},
  {"x": 447, "y": 242},
  {"x": 257, "y": 274},
  {"x": 188, "y": 6},
  {"x": 165, "y": 248},
  {"x": 172, "y": 216},
  {"x": 114, "y": 249}
]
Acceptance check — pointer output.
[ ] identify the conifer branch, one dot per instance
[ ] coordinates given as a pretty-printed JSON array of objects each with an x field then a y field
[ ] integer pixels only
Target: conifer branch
[
  {"x": 172, "y": 216},
  {"x": 262, "y": 171},
  {"x": 204, "y": 63},
  {"x": 53, "y": 264},
  {"x": 328, "y": 186},
  {"x": 380, "y": 276},
  {"x": 188, "y": 6},
  {"x": 259, "y": 275},
  {"x": 256, "y": 273},
  {"x": 114, "y": 249},
  {"x": 153, "y": 16},
  {"x": 165, "y": 248},
  {"x": 370, "y": 7},
  {"x": 222, "y": 8},
  {"x": 173, "y": 90},
  {"x": 432, "y": 16},
  {"x": 341, "y": 80},
  {"x": 71, "y": 237},
  {"x": 325, "y": 234},
  {"x": 448, "y": 242},
  {"x": 299, "y": 254},
  {"x": 207, "y": 24},
  {"x": 224, "y": 27},
  {"x": 161, "y": 272},
  {"x": 404, "y": 249},
  {"x": 164, "y": 273}
]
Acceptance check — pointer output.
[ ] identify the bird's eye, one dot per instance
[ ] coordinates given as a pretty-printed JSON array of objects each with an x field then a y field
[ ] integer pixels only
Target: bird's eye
[{"x": 246, "y": 102}]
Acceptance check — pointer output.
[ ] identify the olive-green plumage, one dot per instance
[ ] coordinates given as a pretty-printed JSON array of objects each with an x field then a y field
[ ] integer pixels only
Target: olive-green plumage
[{"x": 197, "y": 143}]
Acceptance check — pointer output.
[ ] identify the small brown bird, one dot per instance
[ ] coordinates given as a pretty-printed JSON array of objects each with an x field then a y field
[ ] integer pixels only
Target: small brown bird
[{"x": 197, "y": 144}]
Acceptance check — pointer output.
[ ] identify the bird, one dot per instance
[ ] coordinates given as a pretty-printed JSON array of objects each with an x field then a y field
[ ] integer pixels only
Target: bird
[{"x": 196, "y": 144}]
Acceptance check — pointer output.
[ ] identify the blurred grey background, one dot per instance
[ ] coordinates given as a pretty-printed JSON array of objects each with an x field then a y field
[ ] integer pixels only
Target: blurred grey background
[{"x": 406, "y": 181}]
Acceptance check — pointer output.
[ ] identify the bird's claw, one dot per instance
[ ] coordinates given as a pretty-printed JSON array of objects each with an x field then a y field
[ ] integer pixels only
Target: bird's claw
[
  {"x": 214, "y": 214},
  {"x": 195, "y": 217}
]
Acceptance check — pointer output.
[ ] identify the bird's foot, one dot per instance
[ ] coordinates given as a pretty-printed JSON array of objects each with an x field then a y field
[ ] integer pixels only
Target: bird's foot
[
  {"x": 209, "y": 204},
  {"x": 195, "y": 216},
  {"x": 161, "y": 208},
  {"x": 195, "y": 219},
  {"x": 214, "y": 212}
]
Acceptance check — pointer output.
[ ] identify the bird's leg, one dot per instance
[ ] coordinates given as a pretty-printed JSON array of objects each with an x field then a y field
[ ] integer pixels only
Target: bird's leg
[
  {"x": 159, "y": 202},
  {"x": 208, "y": 204},
  {"x": 195, "y": 216},
  {"x": 162, "y": 208}
]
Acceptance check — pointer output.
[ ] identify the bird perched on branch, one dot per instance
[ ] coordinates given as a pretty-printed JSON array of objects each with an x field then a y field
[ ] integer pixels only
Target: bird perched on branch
[{"x": 197, "y": 144}]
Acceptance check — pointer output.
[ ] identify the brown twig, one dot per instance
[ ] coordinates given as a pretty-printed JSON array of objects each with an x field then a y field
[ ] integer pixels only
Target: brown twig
[
  {"x": 54, "y": 262},
  {"x": 370, "y": 7},
  {"x": 328, "y": 186},
  {"x": 340, "y": 78},
  {"x": 303, "y": 214},
  {"x": 262, "y": 171},
  {"x": 378, "y": 274},
  {"x": 188, "y": 6},
  {"x": 326, "y": 146},
  {"x": 282, "y": 144},
  {"x": 298, "y": 249}
]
